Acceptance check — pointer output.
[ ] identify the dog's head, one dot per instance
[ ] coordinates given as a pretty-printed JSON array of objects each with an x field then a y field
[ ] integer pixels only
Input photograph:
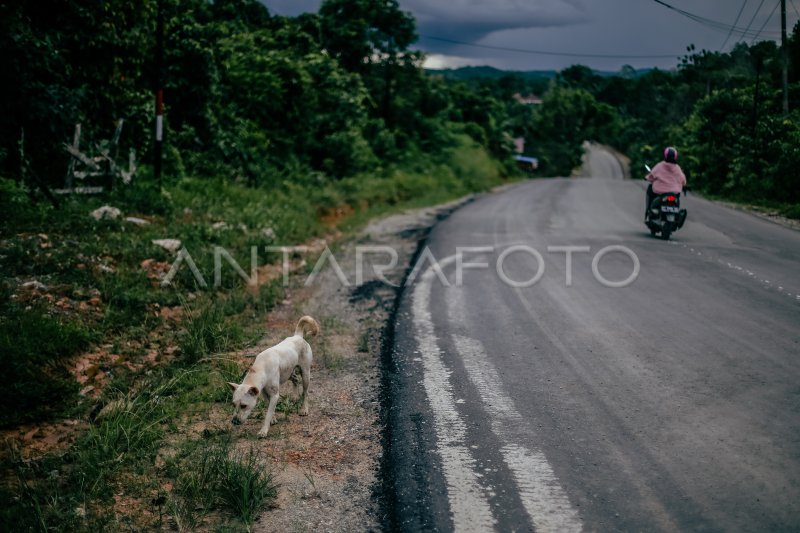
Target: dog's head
[{"x": 244, "y": 399}]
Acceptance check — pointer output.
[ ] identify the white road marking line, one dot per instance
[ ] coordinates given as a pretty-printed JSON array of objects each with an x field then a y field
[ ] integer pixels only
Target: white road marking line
[
  {"x": 752, "y": 275},
  {"x": 544, "y": 499},
  {"x": 468, "y": 504}
]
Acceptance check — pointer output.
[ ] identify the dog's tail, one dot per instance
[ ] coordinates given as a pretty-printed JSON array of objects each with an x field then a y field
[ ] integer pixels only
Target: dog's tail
[{"x": 306, "y": 321}]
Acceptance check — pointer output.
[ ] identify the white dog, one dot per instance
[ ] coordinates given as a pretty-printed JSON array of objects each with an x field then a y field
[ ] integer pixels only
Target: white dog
[{"x": 273, "y": 367}]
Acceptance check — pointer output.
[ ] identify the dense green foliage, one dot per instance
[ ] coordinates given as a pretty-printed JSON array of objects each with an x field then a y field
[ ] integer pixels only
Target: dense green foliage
[
  {"x": 248, "y": 95},
  {"x": 722, "y": 111},
  {"x": 272, "y": 123}
]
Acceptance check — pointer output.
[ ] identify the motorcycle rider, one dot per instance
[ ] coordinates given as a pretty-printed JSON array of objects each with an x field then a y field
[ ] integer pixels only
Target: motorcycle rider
[{"x": 666, "y": 177}]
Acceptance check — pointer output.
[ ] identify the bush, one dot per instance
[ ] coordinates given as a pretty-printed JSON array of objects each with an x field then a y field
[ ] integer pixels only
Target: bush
[
  {"x": 208, "y": 331},
  {"x": 244, "y": 485},
  {"x": 732, "y": 156},
  {"x": 235, "y": 480},
  {"x": 142, "y": 197}
]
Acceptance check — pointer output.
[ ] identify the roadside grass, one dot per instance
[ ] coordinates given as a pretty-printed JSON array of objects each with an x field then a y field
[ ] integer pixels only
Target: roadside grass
[
  {"x": 244, "y": 486},
  {"x": 101, "y": 290},
  {"x": 33, "y": 344},
  {"x": 208, "y": 331},
  {"x": 790, "y": 211},
  {"x": 466, "y": 169},
  {"x": 213, "y": 475},
  {"x": 288, "y": 404},
  {"x": 327, "y": 356},
  {"x": 215, "y": 325},
  {"x": 766, "y": 207},
  {"x": 75, "y": 490}
]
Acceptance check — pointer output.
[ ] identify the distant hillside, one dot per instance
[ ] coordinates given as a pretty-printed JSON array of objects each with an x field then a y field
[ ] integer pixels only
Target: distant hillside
[{"x": 471, "y": 73}]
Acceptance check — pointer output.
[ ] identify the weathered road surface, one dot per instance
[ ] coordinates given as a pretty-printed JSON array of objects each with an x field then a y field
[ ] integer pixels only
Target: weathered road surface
[{"x": 670, "y": 404}]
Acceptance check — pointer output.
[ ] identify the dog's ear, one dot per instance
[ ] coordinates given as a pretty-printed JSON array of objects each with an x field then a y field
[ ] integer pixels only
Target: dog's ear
[
  {"x": 233, "y": 386},
  {"x": 253, "y": 391}
]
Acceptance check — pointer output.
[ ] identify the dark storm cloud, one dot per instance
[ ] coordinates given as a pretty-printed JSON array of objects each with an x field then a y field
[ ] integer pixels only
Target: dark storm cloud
[
  {"x": 468, "y": 20},
  {"x": 611, "y": 27},
  {"x": 472, "y": 20}
]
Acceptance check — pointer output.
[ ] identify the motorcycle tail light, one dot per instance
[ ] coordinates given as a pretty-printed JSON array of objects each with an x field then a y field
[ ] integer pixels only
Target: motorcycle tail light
[{"x": 670, "y": 198}]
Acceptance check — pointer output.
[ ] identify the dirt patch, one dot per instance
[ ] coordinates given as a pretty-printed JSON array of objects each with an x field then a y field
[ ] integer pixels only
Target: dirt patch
[
  {"x": 33, "y": 441},
  {"x": 332, "y": 217}
]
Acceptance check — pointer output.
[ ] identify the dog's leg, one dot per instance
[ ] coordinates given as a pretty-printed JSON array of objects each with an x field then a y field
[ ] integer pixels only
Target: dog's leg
[
  {"x": 305, "y": 369},
  {"x": 297, "y": 383},
  {"x": 269, "y": 418}
]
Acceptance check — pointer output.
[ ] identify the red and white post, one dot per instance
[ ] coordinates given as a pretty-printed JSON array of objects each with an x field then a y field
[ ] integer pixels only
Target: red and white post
[{"x": 159, "y": 137}]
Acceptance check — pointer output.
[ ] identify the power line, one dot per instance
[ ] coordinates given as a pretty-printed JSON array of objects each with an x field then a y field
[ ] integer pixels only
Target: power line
[
  {"x": 735, "y": 22},
  {"x": 714, "y": 24},
  {"x": 765, "y": 22},
  {"x": 758, "y": 9},
  {"x": 795, "y": 8},
  {"x": 697, "y": 18},
  {"x": 549, "y": 53}
]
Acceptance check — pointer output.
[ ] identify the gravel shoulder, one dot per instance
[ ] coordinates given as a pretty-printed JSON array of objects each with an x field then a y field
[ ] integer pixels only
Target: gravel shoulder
[{"x": 765, "y": 213}]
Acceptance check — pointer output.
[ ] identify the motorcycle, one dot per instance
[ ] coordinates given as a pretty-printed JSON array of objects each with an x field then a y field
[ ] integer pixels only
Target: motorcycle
[{"x": 664, "y": 214}]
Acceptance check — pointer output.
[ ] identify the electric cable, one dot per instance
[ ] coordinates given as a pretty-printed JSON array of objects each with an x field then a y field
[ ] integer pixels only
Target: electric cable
[
  {"x": 758, "y": 9},
  {"x": 714, "y": 24},
  {"x": 771, "y": 13},
  {"x": 550, "y": 53},
  {"x": 735, "y": 22}
]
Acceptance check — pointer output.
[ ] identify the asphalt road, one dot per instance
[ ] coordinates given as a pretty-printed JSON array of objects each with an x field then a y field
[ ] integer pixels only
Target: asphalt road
[{"x": 668, "y": 404}]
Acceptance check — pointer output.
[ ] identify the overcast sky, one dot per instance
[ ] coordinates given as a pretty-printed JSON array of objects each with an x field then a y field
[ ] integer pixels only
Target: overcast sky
[{"x": 597, "y": 27}]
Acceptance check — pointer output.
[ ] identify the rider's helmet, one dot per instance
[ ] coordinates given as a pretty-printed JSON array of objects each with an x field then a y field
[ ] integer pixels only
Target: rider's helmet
[{"x": 670, "y": 155}]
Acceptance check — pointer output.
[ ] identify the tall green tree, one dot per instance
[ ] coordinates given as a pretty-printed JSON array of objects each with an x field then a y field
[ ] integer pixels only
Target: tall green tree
[{"x": 361, "y": 33}]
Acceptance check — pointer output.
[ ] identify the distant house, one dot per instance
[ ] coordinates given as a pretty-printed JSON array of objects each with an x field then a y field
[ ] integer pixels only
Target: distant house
[
  {"x": 524, "y": 163},
  {"x": 530, "y": 99},
  {"x": 527, "y": 164}
]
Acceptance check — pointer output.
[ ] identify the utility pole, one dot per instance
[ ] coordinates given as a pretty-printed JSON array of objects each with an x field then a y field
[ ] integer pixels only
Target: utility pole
[
  {"x": 785, "y": 58},
  {"x": 387, "y": 85},
  {"x": 759, "y": 65},
  {"x": 159, "y": 89}
]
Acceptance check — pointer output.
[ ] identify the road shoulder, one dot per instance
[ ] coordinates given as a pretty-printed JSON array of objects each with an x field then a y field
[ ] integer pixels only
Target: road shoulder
[
  {"x": 764, "y": 213},
  {"x": 328, "y": 465}
]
